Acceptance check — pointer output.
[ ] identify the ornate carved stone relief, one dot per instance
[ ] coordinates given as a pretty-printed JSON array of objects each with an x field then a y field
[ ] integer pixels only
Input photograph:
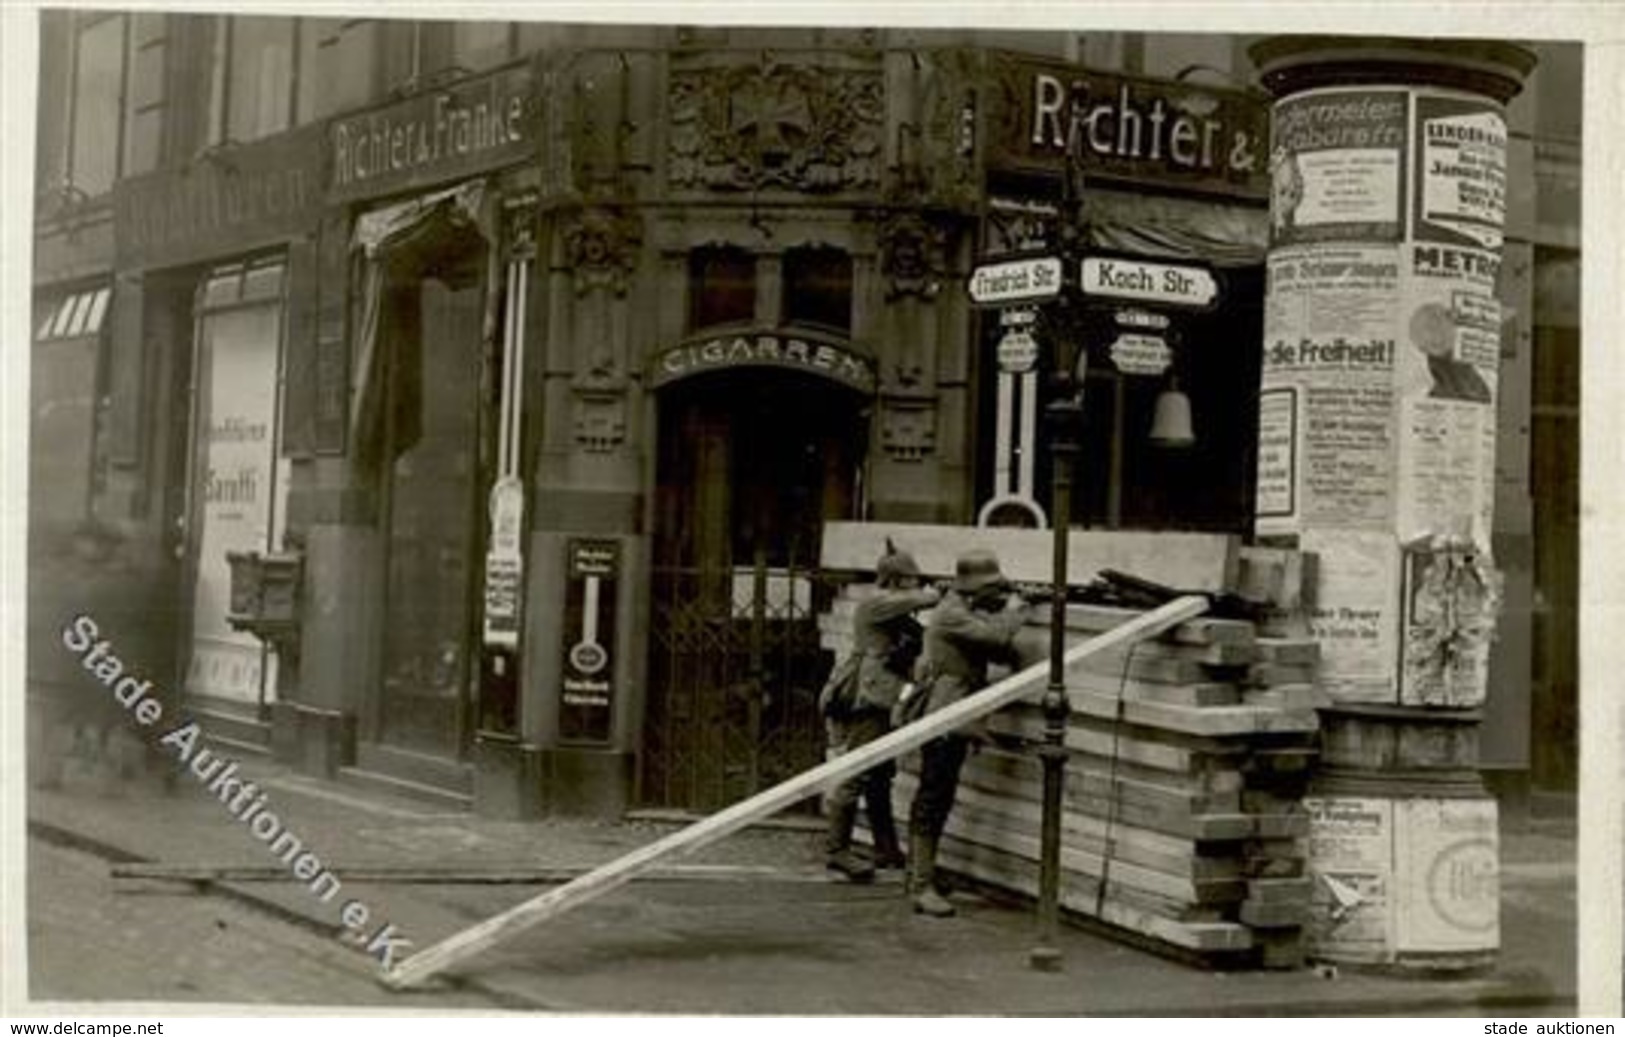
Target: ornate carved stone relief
[
  {"x": 601, "y": 245},
  {"x": 950, "y": 116},
  {"x": 776, "y": 126},
  {"x": 908, "y": 428},
  {"x": 601, "y": 248},
  {"x": 913, "y": 255},
  {"x": 599, "y": 421}
]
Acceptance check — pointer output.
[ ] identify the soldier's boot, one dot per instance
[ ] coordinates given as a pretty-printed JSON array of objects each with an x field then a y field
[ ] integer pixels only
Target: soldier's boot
[
  {"x": 922, "y": 851},
  {"x": 838, "y": 855},
  {"x": 883, "y": 826}
]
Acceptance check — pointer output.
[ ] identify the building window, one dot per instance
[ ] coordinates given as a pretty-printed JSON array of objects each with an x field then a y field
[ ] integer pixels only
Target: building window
[
  {"x": 721, "y": 287},
  {"x": 818, "y": 288},
  {"x": 476, "y": 46},
  {"x": 338, "y": 65},
  {"x": 97, "y": 103},
  {"x": 102, "y": 116},
  {"x": 1176, "y": 55},
  {"x": 271, "y": 74},
  {"x": 254, "y": 77},
  {"x": 424, "y": 53},
  {"x": 147, "y": 95}
]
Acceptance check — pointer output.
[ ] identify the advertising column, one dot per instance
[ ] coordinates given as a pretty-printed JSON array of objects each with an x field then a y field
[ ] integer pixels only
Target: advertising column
[{"x": 1377, "y": 456}]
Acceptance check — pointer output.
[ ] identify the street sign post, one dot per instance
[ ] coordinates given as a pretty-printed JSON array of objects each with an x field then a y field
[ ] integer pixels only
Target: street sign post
[
  {"x": 1130, "y": 317},
  {"x": 1141, "y": 354},
  {"x": 1165, "y": 284},
  {"x": 1033, "y": 279},
  {"x": 1017, "y": 352}
]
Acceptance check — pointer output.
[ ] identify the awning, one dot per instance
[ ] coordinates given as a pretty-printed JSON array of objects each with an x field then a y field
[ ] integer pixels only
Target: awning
[
  {"x": 1169, "y": 227},
  {"x": 73, "y": 315},
  {"x": 400, "y": 245}
]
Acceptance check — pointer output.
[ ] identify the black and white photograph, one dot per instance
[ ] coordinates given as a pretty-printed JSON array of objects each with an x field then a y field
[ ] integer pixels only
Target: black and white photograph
[{"x": 684, "y": 510}]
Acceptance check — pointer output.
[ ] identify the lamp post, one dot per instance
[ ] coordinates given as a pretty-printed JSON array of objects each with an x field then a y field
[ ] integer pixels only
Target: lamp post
[
  {"x": 1047, "y": 282},
  {"x": 1063, "y": 414}
]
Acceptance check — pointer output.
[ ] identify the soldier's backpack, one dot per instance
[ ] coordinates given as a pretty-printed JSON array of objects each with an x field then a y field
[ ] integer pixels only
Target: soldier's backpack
[{"x": 840, "y": 692}]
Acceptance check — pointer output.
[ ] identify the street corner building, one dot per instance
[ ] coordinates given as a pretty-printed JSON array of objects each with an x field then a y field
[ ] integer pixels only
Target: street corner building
[{"x": 504, "y": 411}]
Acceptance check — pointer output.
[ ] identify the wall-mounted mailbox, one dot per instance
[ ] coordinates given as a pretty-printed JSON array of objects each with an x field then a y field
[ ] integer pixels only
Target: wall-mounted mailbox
[{"x": 265, "y": 596}]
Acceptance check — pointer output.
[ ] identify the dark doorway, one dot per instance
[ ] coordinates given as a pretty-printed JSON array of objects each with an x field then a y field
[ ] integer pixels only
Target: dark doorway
[
  {"x": 752, "y": 463},
  {"x": 437, "y": 477}
]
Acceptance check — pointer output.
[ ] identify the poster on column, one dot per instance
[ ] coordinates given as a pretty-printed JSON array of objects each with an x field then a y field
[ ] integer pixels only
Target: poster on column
[
  {"x": 1449, "y": 598},
  {"x": 1448, "y": 849},
  {"x": 1337, "y": 166},
  {"x": 1276, "y": 498},
  {"x": 1329, "y": 342},
  {"x": 1447, "y": 383},
  {"x": 1461, "y": 157},
  {"x": 1447, "y": 373},
  {"x": 1354, "y": 613},
  {"x": 1351, "y": 900}
]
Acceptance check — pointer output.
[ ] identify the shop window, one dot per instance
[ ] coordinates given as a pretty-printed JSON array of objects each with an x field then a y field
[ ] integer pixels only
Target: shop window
[
  {"x": 236, "y": 485},
  {"x": 74, "y": 315},
  {"x": 254, "y": 281},
  {"x": 64, "y": 390},
  {"x": 1128, "y": 480},
  {"x": 721, "y": 287},
  {"x": 818, "y": 288}
]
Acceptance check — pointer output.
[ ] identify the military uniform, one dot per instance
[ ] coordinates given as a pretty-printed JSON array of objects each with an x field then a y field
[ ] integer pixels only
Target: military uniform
[
  {"x": 973, "y": 627},
  {"x": 887, "y": 640}
]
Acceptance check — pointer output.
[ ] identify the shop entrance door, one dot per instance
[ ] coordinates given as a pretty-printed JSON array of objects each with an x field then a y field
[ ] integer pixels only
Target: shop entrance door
[
  {"x": 238, "y": 486},
  {"x": 751, "y": 465},
  {"x": 434, "y": 483}
]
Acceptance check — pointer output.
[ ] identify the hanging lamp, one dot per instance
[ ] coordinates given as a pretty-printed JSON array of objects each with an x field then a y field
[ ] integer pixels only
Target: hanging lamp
[{"x": 1171, "y": 418}]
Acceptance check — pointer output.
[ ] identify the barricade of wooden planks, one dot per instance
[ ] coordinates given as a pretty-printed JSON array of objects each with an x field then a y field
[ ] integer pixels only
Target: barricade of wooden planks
[{"x": 1182, "y": 819}]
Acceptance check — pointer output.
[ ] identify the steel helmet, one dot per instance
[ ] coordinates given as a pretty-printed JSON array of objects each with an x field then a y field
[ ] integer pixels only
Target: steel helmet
[
  {"x": 976, "y": 569},
  {"x": 895, "y": 565}
]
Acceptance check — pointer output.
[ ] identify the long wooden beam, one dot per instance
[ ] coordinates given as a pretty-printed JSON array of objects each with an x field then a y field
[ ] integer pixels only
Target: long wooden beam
[
  {"x": 487, "y": 934},
  {"x": 452, "y": 874}
]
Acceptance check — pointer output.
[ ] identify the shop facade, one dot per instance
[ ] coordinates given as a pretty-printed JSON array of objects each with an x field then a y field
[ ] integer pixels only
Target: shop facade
[{"x": 550, "y": 375}]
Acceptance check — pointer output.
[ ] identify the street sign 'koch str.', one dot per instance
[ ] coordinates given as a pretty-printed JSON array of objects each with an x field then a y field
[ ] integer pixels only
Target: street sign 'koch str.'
[{"x": 1166, "y": 284}]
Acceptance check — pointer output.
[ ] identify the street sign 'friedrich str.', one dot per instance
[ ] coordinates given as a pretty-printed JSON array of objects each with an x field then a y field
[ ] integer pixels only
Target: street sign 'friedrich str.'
[{"x": 1015, "y": 281}]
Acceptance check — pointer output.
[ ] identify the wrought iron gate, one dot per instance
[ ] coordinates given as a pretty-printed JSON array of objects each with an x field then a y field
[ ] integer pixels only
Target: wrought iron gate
[{"x": 735, "y": 671}]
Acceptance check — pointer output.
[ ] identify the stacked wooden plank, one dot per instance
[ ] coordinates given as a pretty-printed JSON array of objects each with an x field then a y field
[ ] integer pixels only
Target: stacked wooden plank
[
  {"x": 1187, "y": 757},
  {"x": 1181, "y": 823},
  {"x": 1189, "y": 561}
]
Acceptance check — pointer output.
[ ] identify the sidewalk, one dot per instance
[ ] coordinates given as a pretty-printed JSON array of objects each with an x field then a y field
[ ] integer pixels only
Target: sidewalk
[{"x": 800, "y": 946}]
